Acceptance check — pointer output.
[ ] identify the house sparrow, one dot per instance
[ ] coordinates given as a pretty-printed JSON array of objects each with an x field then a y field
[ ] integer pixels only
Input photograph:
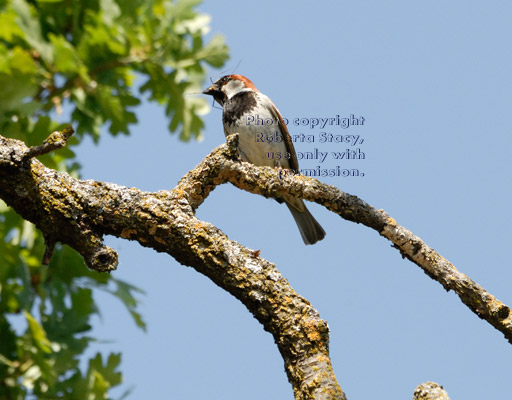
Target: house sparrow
[{"x": 263, "y": 139}]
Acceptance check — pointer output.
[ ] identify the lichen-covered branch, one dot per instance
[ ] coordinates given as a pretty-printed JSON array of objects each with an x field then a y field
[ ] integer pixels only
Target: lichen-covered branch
[
  {"x": 43, "y": 196},
  {"x": 430, "y": 391},
  {"x": 56, "y": 140},
  {"x": 79, "y": 213},
  {"x": 267, "y": 182}
]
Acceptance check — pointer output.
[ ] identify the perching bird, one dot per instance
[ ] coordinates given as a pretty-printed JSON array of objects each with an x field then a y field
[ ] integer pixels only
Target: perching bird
[{"x": 263, "y": 139}]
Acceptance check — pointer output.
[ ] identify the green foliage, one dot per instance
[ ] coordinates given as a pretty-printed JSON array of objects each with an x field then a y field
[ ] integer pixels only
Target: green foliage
[
  {"x": 87, "y": 54},
  {"x": 40, "y": 355},
  {"x": 87, "y": 63}
]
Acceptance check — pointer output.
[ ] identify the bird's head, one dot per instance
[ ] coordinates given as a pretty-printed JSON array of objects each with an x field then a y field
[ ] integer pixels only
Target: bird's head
[{"x": 227, "y": 86}]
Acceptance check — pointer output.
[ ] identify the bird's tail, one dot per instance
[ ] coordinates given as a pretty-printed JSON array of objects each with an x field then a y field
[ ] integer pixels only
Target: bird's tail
[{"x": 310, "y": 230}]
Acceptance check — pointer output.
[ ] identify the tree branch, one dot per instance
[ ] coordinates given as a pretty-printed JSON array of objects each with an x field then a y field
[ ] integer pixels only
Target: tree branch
[
  {"x": 79, "y": 213},
  {"x": 42, "y": 196},
  {"x": 266, "y": 182},
  {"x": 430, "y": 391},
  {"x": 56, "y": 140}
]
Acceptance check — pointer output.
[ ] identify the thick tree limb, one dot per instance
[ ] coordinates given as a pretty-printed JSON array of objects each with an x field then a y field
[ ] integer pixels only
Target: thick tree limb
[
  {"x": 266, "y": 182},
  {"x": 79, "y": 213}
]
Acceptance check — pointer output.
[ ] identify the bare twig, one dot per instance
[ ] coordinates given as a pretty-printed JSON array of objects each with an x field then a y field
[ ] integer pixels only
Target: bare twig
[{"x": 56, "y": 140}]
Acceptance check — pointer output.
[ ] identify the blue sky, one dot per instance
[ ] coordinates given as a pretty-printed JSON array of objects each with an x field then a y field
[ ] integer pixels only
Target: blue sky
[{"x": 433, "y": 82}]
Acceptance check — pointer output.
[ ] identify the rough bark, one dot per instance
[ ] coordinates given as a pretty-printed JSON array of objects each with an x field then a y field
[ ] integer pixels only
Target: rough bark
[
  {"x": 430, "y": 391},
  {"x": 79, "y": 212}
]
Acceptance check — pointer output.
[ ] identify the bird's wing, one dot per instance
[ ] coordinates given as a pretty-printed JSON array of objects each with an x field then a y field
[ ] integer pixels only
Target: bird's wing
[{"x": 294, "y": 163}]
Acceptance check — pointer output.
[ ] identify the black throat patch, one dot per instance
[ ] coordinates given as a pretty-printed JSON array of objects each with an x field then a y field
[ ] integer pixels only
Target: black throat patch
[{"x": 238, "y": 105}]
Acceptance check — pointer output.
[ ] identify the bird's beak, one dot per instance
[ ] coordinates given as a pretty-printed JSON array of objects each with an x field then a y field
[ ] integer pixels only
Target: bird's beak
[
  {"x": 214, "y": 91},
  {"x": 211, "y": 90}
]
